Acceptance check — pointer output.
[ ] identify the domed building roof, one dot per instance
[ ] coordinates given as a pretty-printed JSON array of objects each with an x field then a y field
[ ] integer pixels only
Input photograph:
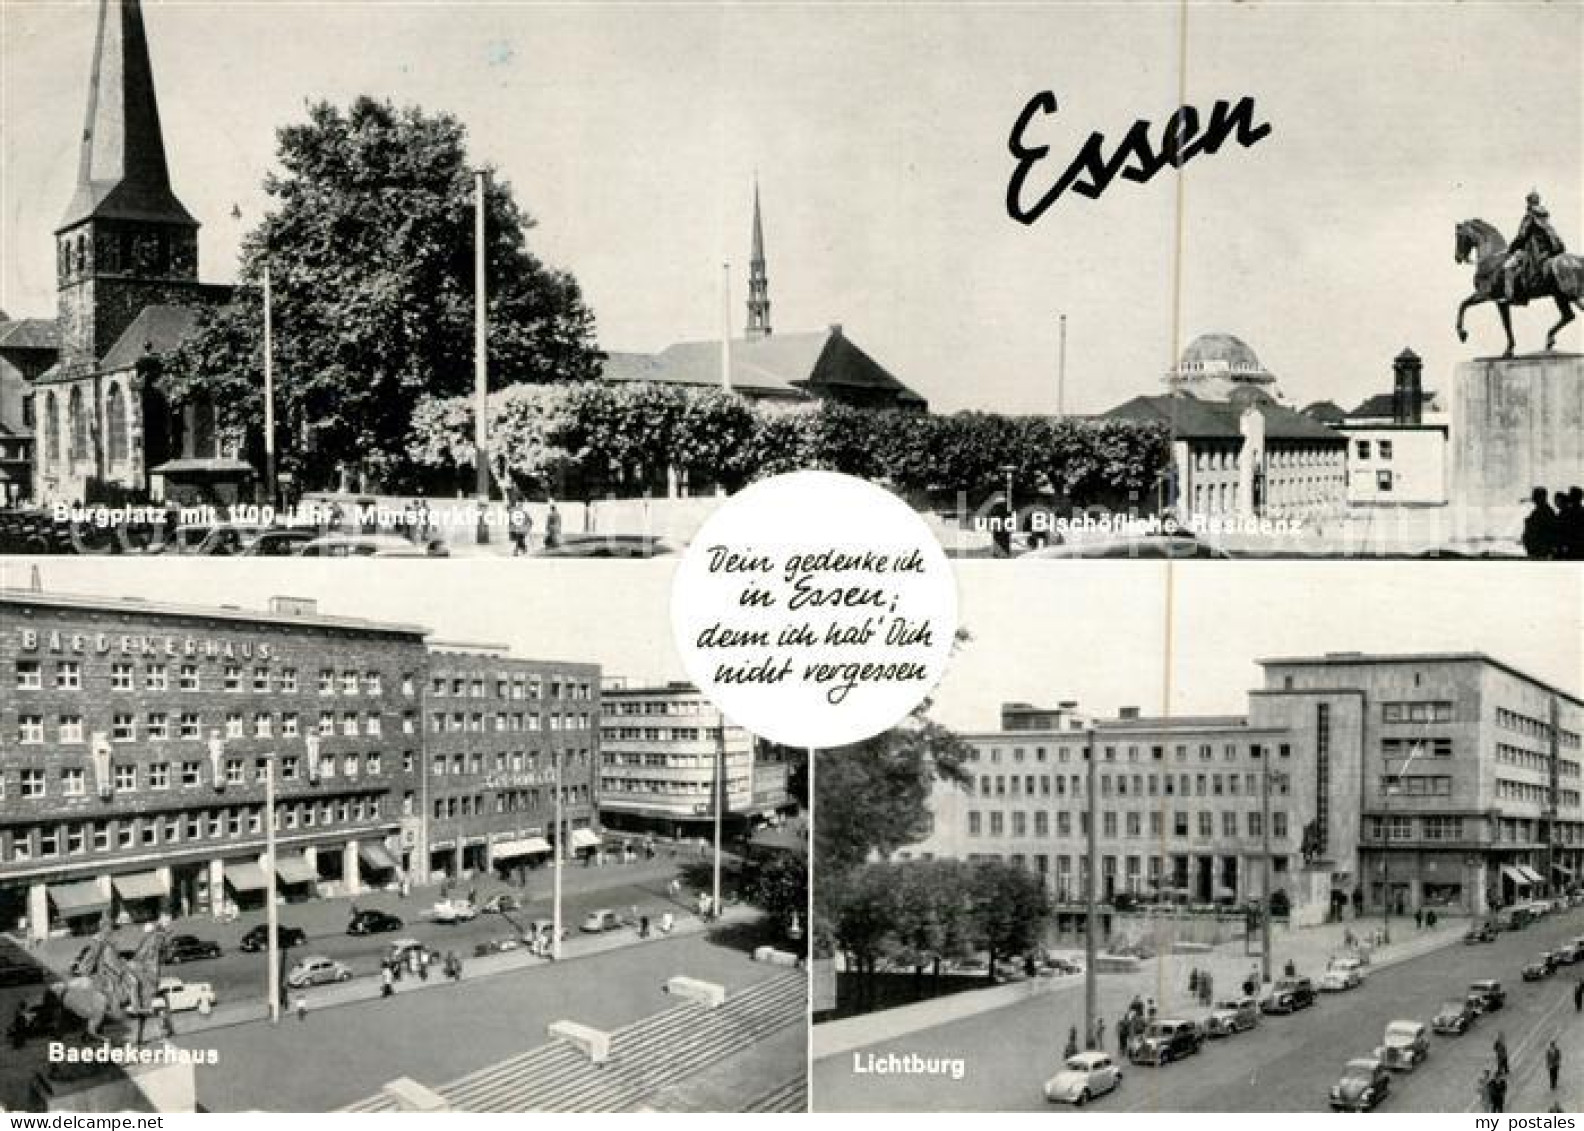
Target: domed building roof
[{"x": 1214, "y": 365}]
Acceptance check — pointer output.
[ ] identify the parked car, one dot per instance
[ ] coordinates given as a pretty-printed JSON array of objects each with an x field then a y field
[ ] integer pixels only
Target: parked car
[
  {"x": 454, "y": 911},
  {"x": 188, "y": 948},
  {"x": 1232, "y": 1016},
  {"x": 607, "y": 546},
  {"x": 316, "y": 971},
  {"x": 1289, "y": 995},
  {"x": 1082, "y": 1078},
  {"x": 373, "y": 922},
  {"x": 1480, "y": 933},
  {"x": 371, "y": 546},
  {"x": 1342, "y": 974},
  {"x": 1454, "y": 1017},
  {"x": 285, "y": 937},
  {"x": 180, "y": 996},
  {"x": 602, "y": 920},
  {"x": 1405, "y": 1046},
  {"x": 283, "y": 543},
  {"x": 1537, "y": 969},
  {"x": 1487, "y": 996},
  {"x": 496, "y": 904},
  {"x": 1570, "y": 952},
  {"x": 1364, "y": 1084},
  {"x": 1165, "y": 1041}
]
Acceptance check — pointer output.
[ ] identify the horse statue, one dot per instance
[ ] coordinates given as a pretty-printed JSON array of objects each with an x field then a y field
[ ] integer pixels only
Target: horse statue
[
  {"x": 109, "y": 987},
  {"x": 1560, "y": 278}
]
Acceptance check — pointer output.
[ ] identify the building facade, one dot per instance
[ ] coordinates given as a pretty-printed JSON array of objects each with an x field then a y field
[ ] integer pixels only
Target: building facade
[
  {"x": 1398, "y": 443},
  {"x": 501, "y": 733},
  {"x": 137, "y": 739},
  {"x": 662, "y": 750},
  {"x": 1434, "y": 781}
]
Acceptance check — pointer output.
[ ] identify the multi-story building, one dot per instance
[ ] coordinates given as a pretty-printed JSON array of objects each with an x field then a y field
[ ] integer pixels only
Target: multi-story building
[
  {"x": 1442, "y": 780},
  {"x": 662, "y": 749},
  {"x": 136, "y": 738},
  {"x": 500, "y": 732}
]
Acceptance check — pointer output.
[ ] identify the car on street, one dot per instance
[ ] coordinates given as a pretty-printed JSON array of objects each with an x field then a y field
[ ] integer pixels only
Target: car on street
[
  {"x": 371, "y": 546},
  {"x": 1480, "y": 933},
  {"x": 316, "y": 971},
  {"x": 1342, "y": 974},
  {"x": 1232, "y": 1016},
  {"x": 503, "y": 902},
  {"x": 1570, "y": 952},
  {"x": 1487, "y": 995},
  {"x": 283, "y": 543},
  {"x": 1289, "y": 995},
  {"x": 601, "y": 920},
  {"x": 1404, "y": 1047},
  {"x": 180, "y": 996},
  {"x": 372, "y": 921},
  {"x": 1454, "y": 1017},
  {"x": 285, "y": 937},
  {"x": 1539, "y": 968},
  {"x": 1364, "y": 1084},
  {"x": 1083, "y": 1077},
  {"x": 454, "y": 911},
  {"x": 188, "y": 948},
  {"x": 607, "y": 546},
  {"x": 1165, "y": 1041}
]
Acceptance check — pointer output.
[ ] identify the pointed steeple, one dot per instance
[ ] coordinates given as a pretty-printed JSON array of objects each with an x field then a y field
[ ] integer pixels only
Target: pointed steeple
[
  {"x": 122, "y": 174},
  {"x": 758, "y": 283}
]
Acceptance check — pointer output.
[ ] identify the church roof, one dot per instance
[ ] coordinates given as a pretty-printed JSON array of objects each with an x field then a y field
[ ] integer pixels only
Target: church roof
[
  {"x": 156, "y": 330},
  {"x": 121, "y": 171},
  {"x": 29, "y": 334},
  {"x": 1192, "y": 419},
  {"x": 785, "y": 365},
  {"x": 1223, "y": 358}
]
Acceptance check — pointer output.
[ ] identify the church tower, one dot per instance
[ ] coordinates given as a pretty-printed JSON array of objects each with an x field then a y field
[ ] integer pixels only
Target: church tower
[
  {"x": 126, "y": 242},
  {"x": 758, "y": 284}
]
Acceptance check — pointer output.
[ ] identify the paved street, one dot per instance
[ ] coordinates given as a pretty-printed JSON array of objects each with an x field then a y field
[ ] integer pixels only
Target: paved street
[{"x": 1287, "y": 1064}]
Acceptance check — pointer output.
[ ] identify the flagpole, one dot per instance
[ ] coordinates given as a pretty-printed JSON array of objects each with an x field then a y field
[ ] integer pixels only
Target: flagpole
[
  {"x": 271, "y": 484},
  {"x": 272, "y": 915},
  {"x": 480, "y": 355}
]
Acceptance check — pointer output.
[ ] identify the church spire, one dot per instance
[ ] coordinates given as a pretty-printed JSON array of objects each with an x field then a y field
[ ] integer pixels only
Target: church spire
[
  {"x": 758, "y": 283},
  {"x": 122, "y": 174}
]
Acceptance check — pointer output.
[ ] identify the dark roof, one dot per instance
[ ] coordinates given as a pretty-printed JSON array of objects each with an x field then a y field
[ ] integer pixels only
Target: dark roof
[
  {"x": 1383, "y": 404},
  {"x": 1194, "y": 419},
  {"x": 156, "y": 330},
  {"x": 29, "y": 334},
  {"x": 1326, "y": 412},
  {"x": 786, "y": 365}
]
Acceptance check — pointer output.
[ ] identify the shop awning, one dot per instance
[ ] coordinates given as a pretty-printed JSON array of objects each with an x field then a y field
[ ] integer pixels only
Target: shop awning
[
  {"x": 1533, "y": 876},
  {"x": 139, "y": 885},
  {"x": 1515, "y": 876},
  {"x": 1566, "y": 871},
  {"x": 79, "y": 898},
  {"x": 293, "y": 868},
  {"x": 528, "y": 846},
  {"x": 245, "y": 875},
  {"x": 585, "y": 838},
  {"x": 375, "y": 856}
]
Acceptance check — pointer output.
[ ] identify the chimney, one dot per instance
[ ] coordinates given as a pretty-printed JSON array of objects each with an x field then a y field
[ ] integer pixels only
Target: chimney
[
  {"x": 293, "y": 606},
  {"x": 1407, "y": 390},
  {"x": 836, "y": 329}
]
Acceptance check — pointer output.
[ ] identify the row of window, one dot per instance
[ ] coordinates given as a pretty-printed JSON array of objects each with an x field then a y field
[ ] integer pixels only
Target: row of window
[
  {"x": 516, "y": 762},
  {"x": 1416, "y": 747},
  {"x": 1135, "y": 785},
  {"x": 1131, "y": 752},
  {"x": 659, "y": 734},
  {"x": 1016, "y": 823},
  {"x": 1422, "y": 711},
  {"x": 1535, "y": 728},
  {"x": 19, "y": 844},
  {"x": 444, "y": 684},
  {"x": 663, "y": 761},
  {"x": 1534, "y": 760},
  {"x": 189, "y": 726},
  {"x": 441, "y": 723},
  {"x": 507, "y": 801},
  {"x": 68, "y": 676},
  {"x": 129, "y": 777},
  {"x": 657, "y": 707},
  {"x": 1067, "y": 888},
  {"x": 1529, "y": 793},
  {"x": 677, "y": 788}
]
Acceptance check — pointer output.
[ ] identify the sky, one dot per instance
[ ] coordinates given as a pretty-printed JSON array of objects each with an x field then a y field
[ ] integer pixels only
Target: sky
[
  {"x": 1092, "y": 631},
  {"x": 878, "y": 133}
]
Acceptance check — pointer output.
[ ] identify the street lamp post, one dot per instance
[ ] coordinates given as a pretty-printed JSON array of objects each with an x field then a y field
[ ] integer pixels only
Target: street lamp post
[
  {"x": 271, "y": 914},
  {"x": 720, "y": 803},
  {"x": 1091, "y": 913},
  {"x": 560, "y": 849},
  {"x": 480, "y": 355},
  {"x": 1265, "y": 858},
  {"x": 271, "y": 484}
]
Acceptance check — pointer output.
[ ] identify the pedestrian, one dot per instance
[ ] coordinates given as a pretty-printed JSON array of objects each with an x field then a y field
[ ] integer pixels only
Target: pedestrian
[
  {"x": 1418, "y": 919},
  {"x": 1072, "y": 1044},
  {"x": 667, "y": 921},
  {"x": 1124, "y": 1031},
  {"x": 1553, "y": 1062},
  {"x": 1487, "y": 1096},
  {"x": 1498, "y": 1090},
  {"x": 1500, "y": 1049},
  {"x": 1540, "y": 528},
  {"x": 674, "y": 890},
  {"x": 1430, "y": 919},
  {"x": 643, "y": 927},
  {"x": 423, "y": 968},
  {"x": 702, "y": 846},
  {"x": 302, "y": 1008},
  {"x": 1099, "y": 1035},
  {"x": 1578, "y": 996},
  {"x": 552, "y": 527},
  {"x": 19, "y": 1026},
  {"x": 1193, "y": 982},
  {"x": 387, "y": 981}
]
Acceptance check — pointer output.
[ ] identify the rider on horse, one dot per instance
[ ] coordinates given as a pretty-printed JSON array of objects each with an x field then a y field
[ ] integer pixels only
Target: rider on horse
[{"x": 1536, "y": 242}]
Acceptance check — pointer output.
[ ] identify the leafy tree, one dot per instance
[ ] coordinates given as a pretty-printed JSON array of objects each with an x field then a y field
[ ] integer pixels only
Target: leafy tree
[
  {"x": 1009, "y": 908},
  {"x": 370, "y": 249},
  {"x": 778, "y": 886}
]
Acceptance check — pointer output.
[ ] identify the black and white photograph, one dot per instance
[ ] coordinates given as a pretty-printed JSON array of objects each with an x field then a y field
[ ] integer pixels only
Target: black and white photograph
[
  {"x": 510, "y": 279},
  {"x": 1324, "y": 851},
  {"x": 317, "y": 842}
]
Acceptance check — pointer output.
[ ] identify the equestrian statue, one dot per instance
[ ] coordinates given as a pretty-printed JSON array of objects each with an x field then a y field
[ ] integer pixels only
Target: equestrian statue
[
  {"x": 1535, "y": 266},
  {"x": 109, "y": 987}
]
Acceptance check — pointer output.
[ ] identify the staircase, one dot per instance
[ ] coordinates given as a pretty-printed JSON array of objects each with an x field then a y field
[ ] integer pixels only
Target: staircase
[{"x": 645, "y": 1057}]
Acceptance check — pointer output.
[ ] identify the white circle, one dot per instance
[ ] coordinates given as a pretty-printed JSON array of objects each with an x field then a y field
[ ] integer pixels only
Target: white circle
[{"x": 862, "y": 617}]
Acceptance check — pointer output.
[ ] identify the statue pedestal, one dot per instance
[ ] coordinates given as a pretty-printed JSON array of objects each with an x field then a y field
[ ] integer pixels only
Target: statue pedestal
[{"x": 1517, "y": 424}]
